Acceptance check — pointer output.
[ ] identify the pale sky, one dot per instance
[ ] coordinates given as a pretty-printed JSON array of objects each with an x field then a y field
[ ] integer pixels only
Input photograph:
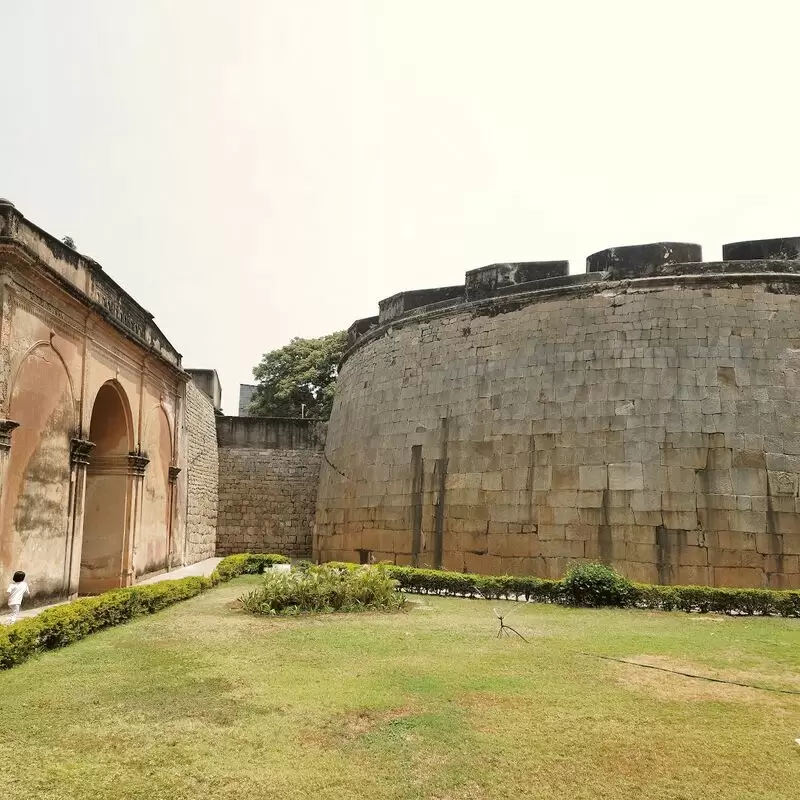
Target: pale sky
[{"x": 254, "y": 170}]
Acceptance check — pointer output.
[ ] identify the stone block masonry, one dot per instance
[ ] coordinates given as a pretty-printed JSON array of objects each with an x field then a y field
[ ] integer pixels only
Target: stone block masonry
[
  {"x": 268, "y": 477},
  {"x": 646, "y": 414},
  {"x": 202, "y": 476}
]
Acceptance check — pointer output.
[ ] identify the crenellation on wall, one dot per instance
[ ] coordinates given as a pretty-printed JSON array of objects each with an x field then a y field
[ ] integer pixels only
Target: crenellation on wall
[
  {"x": 359, "y": 328},
  {"x": 399, "y": 304},
  {"x": 787, "y": 249},
  {"x": 485, "y": 280},
  {"x": 501, "y": 287},
  {"x": 641, "y": 260}
]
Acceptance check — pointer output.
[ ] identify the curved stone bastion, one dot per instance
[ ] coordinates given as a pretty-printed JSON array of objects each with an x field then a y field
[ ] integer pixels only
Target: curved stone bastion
[{"x": 645, "y": 413}]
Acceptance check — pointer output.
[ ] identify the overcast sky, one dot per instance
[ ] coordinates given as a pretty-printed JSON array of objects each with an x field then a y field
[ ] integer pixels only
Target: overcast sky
[{"x": 254, "y": 170}]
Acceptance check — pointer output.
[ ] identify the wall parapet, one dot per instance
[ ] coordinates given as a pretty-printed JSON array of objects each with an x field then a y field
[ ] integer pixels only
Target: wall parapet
[
  {"x": 271, "y": 433},
  {"x": 638, "y": 266},
  {"x": 80, "y": 274}
]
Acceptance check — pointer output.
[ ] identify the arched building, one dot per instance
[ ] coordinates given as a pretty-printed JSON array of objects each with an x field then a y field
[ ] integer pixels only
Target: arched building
[{"x": 93, "y": 433}]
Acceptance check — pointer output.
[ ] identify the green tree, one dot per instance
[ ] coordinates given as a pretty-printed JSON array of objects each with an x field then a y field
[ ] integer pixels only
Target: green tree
[{"x": 300, "y": 374}]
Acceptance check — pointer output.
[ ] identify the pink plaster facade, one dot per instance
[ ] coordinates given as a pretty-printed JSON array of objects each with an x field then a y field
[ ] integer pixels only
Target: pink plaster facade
[{"x": 92, "y": 485}]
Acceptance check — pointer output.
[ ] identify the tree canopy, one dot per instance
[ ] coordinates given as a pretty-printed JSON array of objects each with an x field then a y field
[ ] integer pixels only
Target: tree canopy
[{"x": 302, "y": 373}]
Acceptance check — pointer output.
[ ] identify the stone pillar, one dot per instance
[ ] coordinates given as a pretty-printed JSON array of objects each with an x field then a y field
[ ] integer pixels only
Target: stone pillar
[
  {"x": 137, "y": 464},
  {"x": 80, "y": 452},
  {"x": 174, "y": 550}
]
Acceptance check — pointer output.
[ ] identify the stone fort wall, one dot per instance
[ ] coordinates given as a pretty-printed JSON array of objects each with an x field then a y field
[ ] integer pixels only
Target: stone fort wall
[
  {"x": 202, "y": 475},
  {"x": 645, "y": 413},
  {"x": 268, "y": 479}
]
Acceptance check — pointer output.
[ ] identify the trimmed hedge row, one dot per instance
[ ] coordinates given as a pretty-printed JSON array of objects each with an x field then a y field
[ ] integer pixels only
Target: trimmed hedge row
[
  {"x": 68, "y": 623},
  {"x": 703, "y": 599},
  {"x": 245, "y": 564},
  {"x": 766, "y": 602}
]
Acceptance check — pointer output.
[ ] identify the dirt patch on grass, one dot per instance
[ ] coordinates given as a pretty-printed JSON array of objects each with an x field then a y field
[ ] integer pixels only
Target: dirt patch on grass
[
  {"x": 357, "y": 723},
  {"x": 665, "y": 684},
  {"x": 353, "y": 724}
]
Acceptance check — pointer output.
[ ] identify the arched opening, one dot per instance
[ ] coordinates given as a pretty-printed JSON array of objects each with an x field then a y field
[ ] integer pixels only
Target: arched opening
[
  {"x": 33, "y": 533},
  {"x": 104, "y": 560}
]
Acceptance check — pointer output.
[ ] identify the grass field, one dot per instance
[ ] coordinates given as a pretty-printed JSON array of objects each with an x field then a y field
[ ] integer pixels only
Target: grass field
[{"x": 202, "y": 701}]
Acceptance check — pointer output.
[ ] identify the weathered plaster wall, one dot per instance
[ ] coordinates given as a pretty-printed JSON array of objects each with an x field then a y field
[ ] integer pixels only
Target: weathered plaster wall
[
  {"x": 152, "y": 546},
  {"x": 268, "y": 478},
  {"x": 59, "y": 348},
  {"x": 38, "y": 473},
  {"x": 202, "y": 467},
  {"x": 654, "y": 424}
]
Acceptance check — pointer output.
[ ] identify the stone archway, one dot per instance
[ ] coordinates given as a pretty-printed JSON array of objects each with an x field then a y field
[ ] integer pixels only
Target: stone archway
[
  {"x": 108, "y": 506},
  {"x": 35, "y": 513}
]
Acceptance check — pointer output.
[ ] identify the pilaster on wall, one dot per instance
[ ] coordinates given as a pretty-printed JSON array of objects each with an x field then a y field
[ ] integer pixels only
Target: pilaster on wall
[
  {"x": 7, "y": 428},
  {"x": 174, "y": 544},
  {"x": 80, "y": 454},
  {"x": 137, "y": 466},
  {"x": 6, "y": 310}
]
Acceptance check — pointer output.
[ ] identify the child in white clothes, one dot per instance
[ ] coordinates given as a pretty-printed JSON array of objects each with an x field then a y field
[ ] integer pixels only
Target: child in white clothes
[{"x": 17, "y": 589}]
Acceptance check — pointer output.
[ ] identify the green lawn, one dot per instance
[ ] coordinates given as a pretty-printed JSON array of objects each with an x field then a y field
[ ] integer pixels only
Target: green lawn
[{"x": 202, "y": 701}]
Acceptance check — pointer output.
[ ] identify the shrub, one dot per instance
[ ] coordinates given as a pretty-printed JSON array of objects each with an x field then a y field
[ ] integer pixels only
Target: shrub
[
  {"x": 245, "y": 564},
  {"x": 325, "y": 589},
  {"x": 345, "y": 566},
  {"x": 512, "y": 587},
  {"x": 594, "y": 585}
]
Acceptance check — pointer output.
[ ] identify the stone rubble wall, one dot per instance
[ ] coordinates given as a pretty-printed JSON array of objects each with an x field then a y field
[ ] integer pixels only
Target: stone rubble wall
[
  {"x": 656, "y": 428},
  {"x": 202, "y": 476},
  {"x": 268, "y": 479}
]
